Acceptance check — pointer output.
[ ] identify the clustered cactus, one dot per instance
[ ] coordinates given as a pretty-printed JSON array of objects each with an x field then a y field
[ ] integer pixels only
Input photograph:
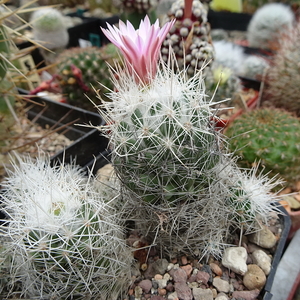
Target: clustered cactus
[
  {"x": 189, "y": 38},
  {"x": 183, "y": 189},
  {"x": 81, "y": 69},
  {"x": 282, "y": 88},
  {"x": 61, "y": 238},
  {"x": 267, "y": 23},
  {"x": 270, "y": 138}
]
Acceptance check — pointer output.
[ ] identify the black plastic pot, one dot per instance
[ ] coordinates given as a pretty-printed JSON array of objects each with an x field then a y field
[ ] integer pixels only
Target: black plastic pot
[
  {"x": 228, "y": 20},
  {"x": 286, "y": 223},
  {"x": 88, "y": 144}
]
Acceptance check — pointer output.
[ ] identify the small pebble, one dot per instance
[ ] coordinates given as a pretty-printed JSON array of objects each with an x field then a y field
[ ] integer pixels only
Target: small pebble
[
  {"x": 246, "y": 295},
  {"x": 221, "y": 285},
  {"x": 179, "y": 275},
  {"x": 263, "y": 260},
  {"x": 202, "y": 277},
  {"x": 188, "y": 269},
  {"x": 234, "y": 258},
  {"x": 202, "y": 294},
  {"x": 162, "y": 292},
  {"x": 221, "y": 296},
  {"x": 183, "y": 291},
  {"x": 146, "y": 285},
  {"x": 254, "y": 278},
  {"x": 216, "y": 269},
  {"x": 263, "y": 238}
]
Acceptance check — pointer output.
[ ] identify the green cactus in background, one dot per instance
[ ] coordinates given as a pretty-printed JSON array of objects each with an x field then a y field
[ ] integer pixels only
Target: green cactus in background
[
  {"x": 189, "y": 37},
  {"x": 282, "y": 78},
  {"x": 62, "y": 239},
  {"x": 270, "y": 138},
  {"x": 81, "y": 70}
]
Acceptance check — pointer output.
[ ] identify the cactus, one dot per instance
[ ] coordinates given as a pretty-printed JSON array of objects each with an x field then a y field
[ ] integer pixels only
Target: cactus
[
  {"x": 282, "y": 88},
  {"x": 179, "y": 183},
  {"x": 271, "y": 137},
  {"x": 183, "y": 191},
  {"x": 81, "y": 69},
  {"x": 189, "y": 37},
  {"x": 267, "y": 23},
  {"x": 221, "y": 83},
  {"x": 63, "y": 238},
  {"x": 229, "y": 55},
  {"x": 50, "y": 31},
  {"x": 254, "y": 67}
]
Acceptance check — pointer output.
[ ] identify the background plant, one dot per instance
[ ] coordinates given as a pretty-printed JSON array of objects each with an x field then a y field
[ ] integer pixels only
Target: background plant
[
  {"x": 81, "y": 69},
  {"x": 281, "y": 88},
  {"x": 268, "y": 137},
  {"x": 268, "y": 23},
  {"x": 189, "y": 37}
]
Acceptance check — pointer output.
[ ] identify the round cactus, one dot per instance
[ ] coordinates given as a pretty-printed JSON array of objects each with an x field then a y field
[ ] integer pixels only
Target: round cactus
[
  {"x": 267, "y": 22},
  {"x": 282, "y": 78},
  {"x": 49, "y": 29},
  {"x": 189, "y": 37},
  {"x": 81, "y": 70},
  {"x": 254, "y": 67},
  {"x": 270, "y": 138},
  {"x": 63, "y": 239}
]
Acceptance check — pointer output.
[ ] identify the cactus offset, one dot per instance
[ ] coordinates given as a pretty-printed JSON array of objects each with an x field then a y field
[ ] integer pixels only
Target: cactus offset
[
  {"x": 268, "y": 136},
  {"x": 189, "y": 37},
  {"x": 81, "y": 70},
  {"x": 63, "y": 238}
]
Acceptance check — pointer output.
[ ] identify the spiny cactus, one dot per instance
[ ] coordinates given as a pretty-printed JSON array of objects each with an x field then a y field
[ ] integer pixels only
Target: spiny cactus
[
  {"x": 221, "y": 83},
  {"x": 63, "y": 239},
  {"x": 267, "y": 23},
  {"x": 50, "y": 31},
  {"x": 282, "y": 78},
  {"x": 271, "y": 137},
  {"x": 254, "y": 67},
  {"x": 158, "y": 141},
  {"x": 81, "y": 70},
  {"x": 189, "y": 37},
  {"x": 180, "y": 184}
]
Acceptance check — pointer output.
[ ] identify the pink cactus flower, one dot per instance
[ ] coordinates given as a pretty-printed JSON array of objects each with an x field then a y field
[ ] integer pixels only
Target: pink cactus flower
[{"x": 140, "y": 47}]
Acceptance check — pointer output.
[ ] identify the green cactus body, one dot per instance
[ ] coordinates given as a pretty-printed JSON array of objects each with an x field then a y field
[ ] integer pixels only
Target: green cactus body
[
  {"x": 63, "y": 239},
  {"x": 190, "y": 37},
  {"x": 165, "y": 144},
  {"x": 160, "y": 148},
  {"x": 268, "y": 136},
  {"x": 92, "y": 63}
]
